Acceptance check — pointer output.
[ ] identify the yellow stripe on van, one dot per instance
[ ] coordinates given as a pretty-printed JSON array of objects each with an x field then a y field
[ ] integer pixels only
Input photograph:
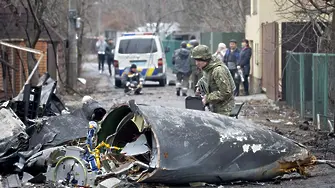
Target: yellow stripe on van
[{"x": 150, "y": 71}]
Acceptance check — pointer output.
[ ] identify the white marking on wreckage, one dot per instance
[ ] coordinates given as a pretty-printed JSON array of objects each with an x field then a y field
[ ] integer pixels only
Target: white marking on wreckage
[{"x": 254, "y": 148}]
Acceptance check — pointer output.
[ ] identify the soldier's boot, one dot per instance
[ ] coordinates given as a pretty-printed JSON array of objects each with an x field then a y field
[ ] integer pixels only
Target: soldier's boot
[
  {"x": 126, "y": 89},
  {"x": 178, "y": 88},
  {"x": 178, "y": 92}
]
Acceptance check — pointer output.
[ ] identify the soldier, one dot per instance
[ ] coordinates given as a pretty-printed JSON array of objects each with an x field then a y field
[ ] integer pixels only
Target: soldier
[
  {"x": 181, "y": 62},
  {"x": 217, "y": 81},
  {"x": 196, "y": 73}
]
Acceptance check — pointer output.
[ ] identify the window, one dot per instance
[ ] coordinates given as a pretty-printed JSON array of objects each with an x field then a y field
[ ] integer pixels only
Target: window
[
  {"x": 137, "y": 46},
  {"x": 254, "y": 7}
]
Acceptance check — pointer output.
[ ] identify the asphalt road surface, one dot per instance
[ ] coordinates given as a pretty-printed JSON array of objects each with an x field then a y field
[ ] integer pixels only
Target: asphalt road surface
[{"x": 101, "y": 87}]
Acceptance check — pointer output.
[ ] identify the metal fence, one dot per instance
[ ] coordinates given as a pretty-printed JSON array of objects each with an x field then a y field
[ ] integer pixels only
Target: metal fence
[
  {"x": 172, "y": 45},
  {"x": 212, "y": 39},
  {"x": 307, "y": 84}
]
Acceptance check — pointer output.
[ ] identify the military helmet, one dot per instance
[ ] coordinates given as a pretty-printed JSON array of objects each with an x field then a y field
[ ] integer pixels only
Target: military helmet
[
  {"x": 183, "y": 44},
  {"x": 201, "y": 52},
  {"x": 193, "y": 43}
]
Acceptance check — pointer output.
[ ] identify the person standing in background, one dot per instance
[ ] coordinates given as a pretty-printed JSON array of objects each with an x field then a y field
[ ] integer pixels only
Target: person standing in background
[
  {"x": 196, "y": 73},
  {"x": 191, "y": 42},
  {"x": 101, "y": 49},
  {"x": 110, "y": 55},
  {"x": 221, "y": 51},
  {"x": 244, "y": 64},
  {"x": 230, "y": 59}
]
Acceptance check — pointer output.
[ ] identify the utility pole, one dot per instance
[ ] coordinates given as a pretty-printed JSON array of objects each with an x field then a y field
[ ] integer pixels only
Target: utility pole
[
  {"x": 99, "y": 19},
  {"x": 72, "y": 68}
]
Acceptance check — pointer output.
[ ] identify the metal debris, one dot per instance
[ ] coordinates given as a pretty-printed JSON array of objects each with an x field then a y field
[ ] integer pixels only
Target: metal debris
[
  {"x": 58, "y": 130},
  {"x": 91, "y": 110},
  {"x": 12, "y": 181},
  {"x": 40, "y": 159},
  {"x": 138, "y": 147},
  {"x": 190, "y": 145},
  {"x": 26, "y": 177},
  {"x": 71, "y": 169},
  {"x": 140, "y": 144},
  {"x": 13, "y": 138}
]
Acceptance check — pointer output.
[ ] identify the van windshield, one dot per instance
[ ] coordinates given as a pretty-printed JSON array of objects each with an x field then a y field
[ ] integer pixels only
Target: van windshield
[{"x": 137, "y": 46}]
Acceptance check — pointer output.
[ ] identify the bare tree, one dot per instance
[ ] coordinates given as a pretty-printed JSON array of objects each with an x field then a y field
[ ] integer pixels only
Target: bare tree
[
  {"x": 217, "y": 15},
  {"x": 35, "y": 10},
  {"x": 319, "y": 14},
  {"x": 192, "y": 15},
  {"x": 135, "y": 13}
]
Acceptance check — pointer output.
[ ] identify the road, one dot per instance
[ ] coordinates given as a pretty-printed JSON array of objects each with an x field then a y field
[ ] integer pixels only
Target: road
[{"x": 101, "y": 88}]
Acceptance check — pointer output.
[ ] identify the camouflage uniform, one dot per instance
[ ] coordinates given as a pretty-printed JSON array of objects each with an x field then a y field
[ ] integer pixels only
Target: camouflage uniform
[
  {"x": 217, "y": 82},
  {"x": 196, "y": 73}
]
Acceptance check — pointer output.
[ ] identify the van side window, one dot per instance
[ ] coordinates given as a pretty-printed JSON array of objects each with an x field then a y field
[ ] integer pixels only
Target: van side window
[{"x": 137, "y": 46}]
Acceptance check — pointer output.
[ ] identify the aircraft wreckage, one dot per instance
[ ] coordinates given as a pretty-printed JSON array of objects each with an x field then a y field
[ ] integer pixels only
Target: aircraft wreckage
[
  {"x": 154, "y": 144},
  {"x": 178, "y": 146}
]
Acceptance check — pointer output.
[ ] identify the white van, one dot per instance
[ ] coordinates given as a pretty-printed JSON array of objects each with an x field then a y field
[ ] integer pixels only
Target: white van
[{"x": 146, "y": 51}]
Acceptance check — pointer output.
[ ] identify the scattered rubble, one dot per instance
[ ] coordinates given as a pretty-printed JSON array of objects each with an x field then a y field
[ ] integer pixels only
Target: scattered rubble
[
  {"x": 35, "y": 128},
  {"x": 42, "y": 142},
  {"x": 13, "y": 138},
  {"x": 304, "y": 126}
]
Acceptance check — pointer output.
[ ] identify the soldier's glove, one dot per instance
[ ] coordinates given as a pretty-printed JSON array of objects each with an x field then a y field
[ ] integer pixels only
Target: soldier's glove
[
  {"x": 238, "y": 67},
  {"x": 128, "y": 84}
]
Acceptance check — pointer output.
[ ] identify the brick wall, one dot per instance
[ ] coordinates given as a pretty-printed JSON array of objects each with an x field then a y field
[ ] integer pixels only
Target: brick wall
[
  {"x": 42, "y": 46},
  {"x": 10, "y": 75},
  {"x": 17, "y": 78}
]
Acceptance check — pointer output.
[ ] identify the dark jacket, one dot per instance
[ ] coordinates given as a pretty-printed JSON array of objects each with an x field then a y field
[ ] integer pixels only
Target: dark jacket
[
  {"x": 110, "y": 51},
  {"x": 128, "y": 76},
  {"x": 236, "y": 54},
  {"x": 181, "y": 60},
  {"x": 134, "y": 77},
  {"x": 244, "y": 61}
]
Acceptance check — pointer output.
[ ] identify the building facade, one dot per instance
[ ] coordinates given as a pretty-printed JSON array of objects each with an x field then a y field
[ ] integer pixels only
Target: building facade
[{"x": 263, "y": 13}]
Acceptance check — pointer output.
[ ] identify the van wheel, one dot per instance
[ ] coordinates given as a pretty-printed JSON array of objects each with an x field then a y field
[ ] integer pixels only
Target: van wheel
[
  {"x": 118, "y": 83},
  {"x": 162, "y": 82}
]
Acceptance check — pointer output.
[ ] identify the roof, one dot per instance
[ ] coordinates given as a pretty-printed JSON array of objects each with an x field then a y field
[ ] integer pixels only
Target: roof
[{"x": 13, "y": 26}]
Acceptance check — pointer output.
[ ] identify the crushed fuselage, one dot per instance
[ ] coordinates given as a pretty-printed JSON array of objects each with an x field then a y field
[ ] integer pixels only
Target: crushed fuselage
[{"x": 183, "y": 146}]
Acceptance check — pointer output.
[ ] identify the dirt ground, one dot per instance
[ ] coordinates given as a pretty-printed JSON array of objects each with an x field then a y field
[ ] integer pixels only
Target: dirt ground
[
  {"x": 276, "y": 117},
  {"x": 287, "y": 122}
]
